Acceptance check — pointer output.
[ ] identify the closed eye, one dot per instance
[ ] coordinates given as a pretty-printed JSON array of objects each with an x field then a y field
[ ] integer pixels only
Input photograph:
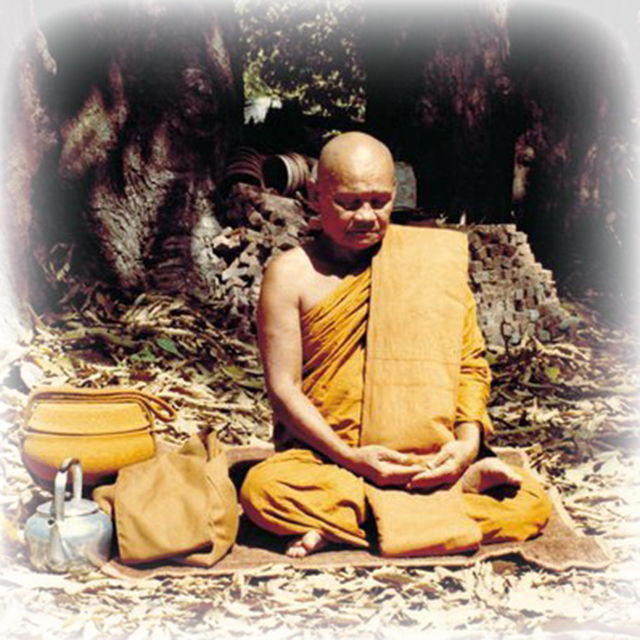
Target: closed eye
[
  {"x": 350, "y": 204},
  {"x": 380, "y": 203},
  {"x": 353, "y": 204}
]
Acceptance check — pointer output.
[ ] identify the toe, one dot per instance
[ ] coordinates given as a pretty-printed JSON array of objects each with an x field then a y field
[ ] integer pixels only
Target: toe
[
  {"x": 311, "y": 541},
  {"x": 295, "y": 549}
]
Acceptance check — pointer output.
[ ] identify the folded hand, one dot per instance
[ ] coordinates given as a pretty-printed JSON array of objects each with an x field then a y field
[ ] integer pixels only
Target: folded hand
[
  {"x": 384, "y": 467},
  {"x": 445, "y": 467}
]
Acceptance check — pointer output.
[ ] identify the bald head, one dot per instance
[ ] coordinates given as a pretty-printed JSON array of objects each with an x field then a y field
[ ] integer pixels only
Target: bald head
[
  {"x": 351, "y": 154},
  {"x": 354, "y": 192}
]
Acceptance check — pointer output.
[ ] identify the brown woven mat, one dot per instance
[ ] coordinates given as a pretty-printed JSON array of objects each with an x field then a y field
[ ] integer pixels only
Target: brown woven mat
[{"x": 559, "y": 547}]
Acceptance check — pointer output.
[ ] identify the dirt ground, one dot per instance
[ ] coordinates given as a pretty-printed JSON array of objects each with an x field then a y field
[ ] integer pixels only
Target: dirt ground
[{"x": 573, "y": 404}]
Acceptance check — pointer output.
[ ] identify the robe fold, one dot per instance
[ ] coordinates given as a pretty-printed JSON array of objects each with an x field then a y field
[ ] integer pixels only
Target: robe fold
[
  {"x": 402, "y": 379},
  {"x": 296, "y": 489}
]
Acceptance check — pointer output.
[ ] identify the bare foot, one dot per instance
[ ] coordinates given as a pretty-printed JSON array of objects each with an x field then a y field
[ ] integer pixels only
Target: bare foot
[
  {"x": 310, "y": 542},
  {"x": 488, "y": 473}
]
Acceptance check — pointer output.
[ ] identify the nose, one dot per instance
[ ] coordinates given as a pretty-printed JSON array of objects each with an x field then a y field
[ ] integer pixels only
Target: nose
[{"x": 365, "y": 212}]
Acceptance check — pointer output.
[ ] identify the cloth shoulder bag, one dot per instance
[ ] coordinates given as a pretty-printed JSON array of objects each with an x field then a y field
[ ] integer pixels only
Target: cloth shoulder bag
[{"x": 179, "y": 506}]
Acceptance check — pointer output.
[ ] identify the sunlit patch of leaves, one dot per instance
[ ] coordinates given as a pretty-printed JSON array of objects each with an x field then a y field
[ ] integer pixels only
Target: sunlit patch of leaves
[{"x": 305, "y": 51}]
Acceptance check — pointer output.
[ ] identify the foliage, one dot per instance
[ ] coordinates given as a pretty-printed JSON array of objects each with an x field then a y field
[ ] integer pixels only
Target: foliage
[{"x": 305, "y": 51}]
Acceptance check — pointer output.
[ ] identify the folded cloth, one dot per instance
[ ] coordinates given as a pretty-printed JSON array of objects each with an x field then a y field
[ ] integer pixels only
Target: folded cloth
[
  {"x": 412, "y": 524},
  {"x": 179, "y": 505},
  {"x": 422, "y": 379}
]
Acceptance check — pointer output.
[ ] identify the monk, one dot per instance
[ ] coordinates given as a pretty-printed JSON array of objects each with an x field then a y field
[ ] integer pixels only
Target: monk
[{"x": 312, "y": 326}]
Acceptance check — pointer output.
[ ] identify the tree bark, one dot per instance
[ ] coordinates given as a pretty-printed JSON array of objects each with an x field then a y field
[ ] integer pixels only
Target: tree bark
[
  {"x": 144, "y": 103},
  {"x": 438, "y": 94},
  {"x": 577, "y": 156},
  {"x": 29, "y": 135},
  {"x": 523, "y": 115}
]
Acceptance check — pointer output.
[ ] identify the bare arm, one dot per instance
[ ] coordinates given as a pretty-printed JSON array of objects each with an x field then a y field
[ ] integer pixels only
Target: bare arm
[{"x": 280, "y": 342}]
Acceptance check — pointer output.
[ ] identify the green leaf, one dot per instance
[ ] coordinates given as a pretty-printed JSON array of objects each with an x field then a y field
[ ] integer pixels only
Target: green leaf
[
  {"x": 552, "y": 373},
  {"x": 244, "y": 378},
  {"x": 235, "y": 372},
  {"x": 146, "y": 355},
  {"x": 168, "y": 345},
  {"x": 255, "y": 383}
]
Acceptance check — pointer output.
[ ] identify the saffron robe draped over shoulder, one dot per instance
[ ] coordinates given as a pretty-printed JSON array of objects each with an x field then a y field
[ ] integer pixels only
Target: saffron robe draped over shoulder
[
  {"x": 393, "y": 356},
  {"x": 296, "y": 489}
]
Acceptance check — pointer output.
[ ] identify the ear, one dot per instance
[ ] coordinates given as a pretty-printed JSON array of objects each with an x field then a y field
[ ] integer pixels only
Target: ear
[
  {"x": 313, "y": 192},
  {"x": 394, "y": 190}
]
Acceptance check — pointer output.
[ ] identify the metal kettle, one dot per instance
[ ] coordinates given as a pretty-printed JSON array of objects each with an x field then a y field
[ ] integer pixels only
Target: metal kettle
[{"x": 72, "y": 536}]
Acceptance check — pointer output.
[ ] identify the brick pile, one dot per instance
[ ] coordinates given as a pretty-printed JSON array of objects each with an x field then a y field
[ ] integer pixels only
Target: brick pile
[
  {"x": 231, "y": 254},
  {"x": 516, "y": 296}
]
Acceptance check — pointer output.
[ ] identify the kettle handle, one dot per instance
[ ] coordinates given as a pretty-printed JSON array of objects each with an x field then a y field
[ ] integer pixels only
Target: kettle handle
[{"x": 61, "y": 484}]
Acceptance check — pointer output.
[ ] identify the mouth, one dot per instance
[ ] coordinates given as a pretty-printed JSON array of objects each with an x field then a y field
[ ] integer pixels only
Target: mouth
[
  {"x": 362, "y": 232},
  {"x": 363, "y": 237}
]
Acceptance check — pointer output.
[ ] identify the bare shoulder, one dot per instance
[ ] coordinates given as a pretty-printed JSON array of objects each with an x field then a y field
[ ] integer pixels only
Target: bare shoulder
[
  {"x": 293, "y": 264},
  {"x": 287, "y": 274},
  {"x": 289, "y": 260}
]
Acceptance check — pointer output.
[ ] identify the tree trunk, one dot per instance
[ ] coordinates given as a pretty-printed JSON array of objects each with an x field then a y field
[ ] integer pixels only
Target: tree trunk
[
  {"x": 136, "y": 107},
  {"x": 577, "y": 157},
  {"x": 438, "y": 94},
  {"x": 29, "y": 135},
  {"x": 523, "y": 115}
]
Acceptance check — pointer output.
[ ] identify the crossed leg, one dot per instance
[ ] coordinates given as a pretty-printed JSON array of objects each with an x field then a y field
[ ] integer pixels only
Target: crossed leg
[{"x": 296, "y": 493}]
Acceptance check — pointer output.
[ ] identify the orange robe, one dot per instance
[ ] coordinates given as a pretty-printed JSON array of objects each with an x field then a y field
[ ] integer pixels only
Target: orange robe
[{"x": 297, "y": 490}]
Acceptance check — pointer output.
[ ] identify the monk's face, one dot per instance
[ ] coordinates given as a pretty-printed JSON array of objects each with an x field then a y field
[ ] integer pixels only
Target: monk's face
[{"x": 354, "y": 196}]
